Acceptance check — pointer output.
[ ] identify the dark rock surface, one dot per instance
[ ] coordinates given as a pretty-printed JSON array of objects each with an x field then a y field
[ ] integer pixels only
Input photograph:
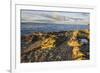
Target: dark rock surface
[{"x": 31, "y": 50}]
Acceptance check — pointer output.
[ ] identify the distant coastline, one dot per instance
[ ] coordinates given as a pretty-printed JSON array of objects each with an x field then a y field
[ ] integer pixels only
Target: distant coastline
[{"x": 68, "y": 23}]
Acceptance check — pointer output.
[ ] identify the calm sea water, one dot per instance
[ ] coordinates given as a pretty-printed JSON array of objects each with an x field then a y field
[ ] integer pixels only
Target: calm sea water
[{"x": 28, "y": 28}]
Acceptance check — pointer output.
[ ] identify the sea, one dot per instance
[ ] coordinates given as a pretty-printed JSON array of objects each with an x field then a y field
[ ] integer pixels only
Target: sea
[{"x": 29, "y": 28}]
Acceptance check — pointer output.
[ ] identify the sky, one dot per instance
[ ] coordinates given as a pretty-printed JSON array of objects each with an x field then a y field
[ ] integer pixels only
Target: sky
[{"x": 58, "y": 17}]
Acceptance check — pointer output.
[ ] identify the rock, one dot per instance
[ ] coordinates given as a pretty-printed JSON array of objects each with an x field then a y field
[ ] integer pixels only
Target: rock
[
  {"x": 33, "y": 46},
  {"x": 27, "y": 38},
  {"x": 52, "y": 46}
]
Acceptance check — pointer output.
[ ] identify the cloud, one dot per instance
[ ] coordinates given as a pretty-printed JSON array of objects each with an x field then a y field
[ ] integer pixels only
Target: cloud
[{"x": 54, "y": 17}]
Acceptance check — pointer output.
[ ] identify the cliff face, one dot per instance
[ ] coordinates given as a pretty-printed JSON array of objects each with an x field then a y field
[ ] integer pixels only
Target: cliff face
[{"x": 55, "y": 46}]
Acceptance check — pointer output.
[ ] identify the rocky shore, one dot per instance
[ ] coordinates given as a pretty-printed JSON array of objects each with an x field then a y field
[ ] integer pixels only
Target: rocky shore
[{"x": 55, "y": 46}]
